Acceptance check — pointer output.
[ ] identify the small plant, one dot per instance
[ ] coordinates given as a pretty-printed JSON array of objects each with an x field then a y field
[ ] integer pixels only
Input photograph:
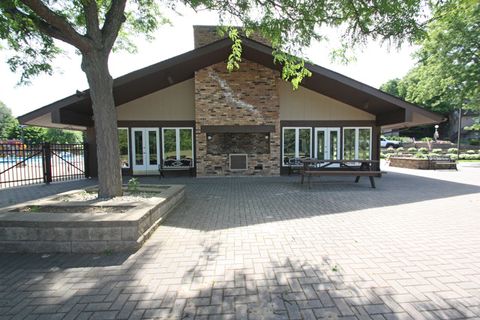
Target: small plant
[
  {"x": 437, "y": 151},
  {"x": 33, "y": 209},
  {"x": 400, "y": 149},
  {"x": 420, "y": 155},
  {"x": 452, "y": 150},
  {"x": 452, "y": 156},
  {"x": 390, "y": 150},
  {"x": 133, "y": 184},
  {"x": 426, "y": 139},
  {"x": 471, "y": 152},
  {"x": 412, "y": 150},
  {"x": 335, "y": 268},
  {"x": 423, "y": 150}
]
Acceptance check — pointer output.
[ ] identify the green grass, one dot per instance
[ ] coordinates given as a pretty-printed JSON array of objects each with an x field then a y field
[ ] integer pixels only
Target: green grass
[{"x": 463, "y": 160}]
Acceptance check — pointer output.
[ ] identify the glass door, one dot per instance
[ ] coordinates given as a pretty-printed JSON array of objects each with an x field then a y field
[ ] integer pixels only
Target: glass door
[
  {"x": 327, "y": 143},
  {"x": 146, "y": 150}
]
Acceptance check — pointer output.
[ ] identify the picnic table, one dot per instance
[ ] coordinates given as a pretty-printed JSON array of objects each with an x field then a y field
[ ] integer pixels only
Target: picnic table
[{"x": 357, "y": 168}]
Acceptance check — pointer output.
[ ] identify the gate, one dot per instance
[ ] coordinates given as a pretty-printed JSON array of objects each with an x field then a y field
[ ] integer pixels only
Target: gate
[{"x": 42, "y": 163}]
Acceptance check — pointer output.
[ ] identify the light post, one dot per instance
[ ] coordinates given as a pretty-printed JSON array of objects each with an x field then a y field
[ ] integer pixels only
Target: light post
[{"x": 459, "y": 131}]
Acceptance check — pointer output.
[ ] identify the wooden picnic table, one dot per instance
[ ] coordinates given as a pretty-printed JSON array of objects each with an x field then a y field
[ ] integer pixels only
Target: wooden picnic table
[{"x": 356, "y": 167}]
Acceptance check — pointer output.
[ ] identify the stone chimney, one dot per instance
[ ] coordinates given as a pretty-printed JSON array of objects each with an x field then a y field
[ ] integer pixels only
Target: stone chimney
[{"x": 203, "y": 35}]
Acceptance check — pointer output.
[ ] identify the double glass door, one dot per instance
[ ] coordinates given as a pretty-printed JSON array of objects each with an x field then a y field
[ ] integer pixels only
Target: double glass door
[
  {"x": 327, "y": 143},
  {"x": 146, "y": 150}
]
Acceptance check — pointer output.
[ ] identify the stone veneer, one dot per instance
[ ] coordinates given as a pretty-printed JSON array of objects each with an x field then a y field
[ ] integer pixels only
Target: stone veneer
[{"x": 248, "y": 96}]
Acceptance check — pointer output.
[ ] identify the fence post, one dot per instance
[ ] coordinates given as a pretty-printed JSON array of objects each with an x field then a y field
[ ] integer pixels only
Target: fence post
[
  {"x": 47, "y": 163},
  {"x": 86, "y": 159}
]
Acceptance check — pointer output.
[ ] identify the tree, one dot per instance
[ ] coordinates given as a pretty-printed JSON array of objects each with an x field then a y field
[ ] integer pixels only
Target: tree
[
  {"x": 93, "y": 27},
  {"x": 7, "y": 121},
  {"x": 446, "y": 76}
]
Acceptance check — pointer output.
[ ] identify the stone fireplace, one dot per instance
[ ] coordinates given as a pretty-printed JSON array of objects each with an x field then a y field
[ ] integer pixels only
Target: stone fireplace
[{"x": 236, "y": 113}]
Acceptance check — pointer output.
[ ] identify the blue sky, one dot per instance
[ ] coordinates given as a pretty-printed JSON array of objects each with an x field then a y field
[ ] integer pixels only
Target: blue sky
[{"x": 374, "y": 63}]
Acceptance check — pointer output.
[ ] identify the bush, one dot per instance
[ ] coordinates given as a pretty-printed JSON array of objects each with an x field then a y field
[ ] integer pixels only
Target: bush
[
  {"x": 472, "y": 157},
  {"x": 400, "y": 149},
  {"x": 437, "y": 151},
  {"x": 423, "y": 150},
  {"x": 400, "y": 138},
  {"x": 421, "y": 155},
  {"x": 383, "y": 155},
  {"x": 412, "y": 150},
  {"x": 426, "y": 139},
  {"x": 474, "y": 142},
  {"x": 452, "y": 156},
  {"x": 390, "y": 150},
  {"x": 470, "y": 152},
  {"x": 452, "y": 150},
  {"x": 462, "y": 156}
]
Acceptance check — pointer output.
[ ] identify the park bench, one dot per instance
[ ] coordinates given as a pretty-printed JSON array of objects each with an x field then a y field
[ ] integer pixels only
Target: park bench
[
  {"x": 441, "y": 162},
  {"x": 176, "y": 165}
]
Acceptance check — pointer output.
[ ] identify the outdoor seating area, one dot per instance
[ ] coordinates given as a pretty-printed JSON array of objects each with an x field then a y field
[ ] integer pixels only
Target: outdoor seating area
[
  {"x": 175, "y": 165},
  {"x": 355, "y": 168}
]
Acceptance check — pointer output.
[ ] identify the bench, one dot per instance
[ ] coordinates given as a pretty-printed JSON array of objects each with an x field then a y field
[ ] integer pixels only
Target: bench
[
  {"x": 356, "y": 173},
  {"x": 293, "y": 164},
  {"x": 176, "y": 165},
  {"x": 441, "y": 162}
]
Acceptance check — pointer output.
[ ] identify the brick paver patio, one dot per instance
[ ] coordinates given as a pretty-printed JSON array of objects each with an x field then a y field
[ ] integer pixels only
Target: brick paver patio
[{"x": 265, "y": 248}]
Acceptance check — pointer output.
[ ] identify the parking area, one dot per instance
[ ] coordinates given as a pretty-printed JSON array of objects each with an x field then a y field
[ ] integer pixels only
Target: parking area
[{"x": 268, "y": 248}]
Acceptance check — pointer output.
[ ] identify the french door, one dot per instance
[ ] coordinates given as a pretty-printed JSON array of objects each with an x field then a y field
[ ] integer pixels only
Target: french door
[
  {"x": 327, "y": 143},
  {"x": 145, "y": 150}
]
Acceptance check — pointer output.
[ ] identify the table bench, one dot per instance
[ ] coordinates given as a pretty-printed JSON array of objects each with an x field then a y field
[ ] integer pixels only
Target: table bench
[
  {"x": 367, "y": 168},
  {"x": 441, "y": 162},
  {"x": 176, "y": 165}
]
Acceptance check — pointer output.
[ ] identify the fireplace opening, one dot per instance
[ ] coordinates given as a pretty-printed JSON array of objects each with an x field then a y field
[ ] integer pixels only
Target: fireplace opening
[{"x": 238, "y": 143}]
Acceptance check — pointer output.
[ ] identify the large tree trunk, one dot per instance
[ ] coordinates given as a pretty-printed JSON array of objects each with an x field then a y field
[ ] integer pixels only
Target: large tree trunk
[{"x": 95, "y": 66}]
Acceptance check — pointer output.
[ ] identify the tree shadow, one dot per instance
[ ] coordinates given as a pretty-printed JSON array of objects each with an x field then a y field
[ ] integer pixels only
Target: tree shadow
[
  {"x": 209, "y": 285},
  {"x": 222, "y": 203}
]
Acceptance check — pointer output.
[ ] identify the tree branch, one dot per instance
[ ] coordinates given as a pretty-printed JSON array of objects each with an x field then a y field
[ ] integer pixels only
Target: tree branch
[
  {"x": 70, "y": 35},
  {"x": 113, "y": 22},
  {"x": 91, "y": 19}
]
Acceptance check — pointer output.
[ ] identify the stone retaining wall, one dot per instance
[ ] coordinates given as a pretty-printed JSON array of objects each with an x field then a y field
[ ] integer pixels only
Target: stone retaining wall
[
  {"x": 84, "y": 233},
  {"x": 410, "y": 163}
]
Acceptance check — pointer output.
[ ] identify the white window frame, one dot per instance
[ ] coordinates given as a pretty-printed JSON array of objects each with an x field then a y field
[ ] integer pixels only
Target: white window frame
[
  {"x": 128, "y": 146},
  {"x": 177, "y": 141},
  {"x": 297, "y": 139},
  {"x": 357, "y": 136},
  {"x": 328, "y": 131}
]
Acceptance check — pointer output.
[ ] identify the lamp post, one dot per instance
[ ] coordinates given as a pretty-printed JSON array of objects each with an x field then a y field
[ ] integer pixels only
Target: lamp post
[{"x": 459, "y": 131}]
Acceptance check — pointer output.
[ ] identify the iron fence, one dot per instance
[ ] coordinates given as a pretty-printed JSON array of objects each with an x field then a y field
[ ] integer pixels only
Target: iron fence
[{"x": 22, "y": 164}]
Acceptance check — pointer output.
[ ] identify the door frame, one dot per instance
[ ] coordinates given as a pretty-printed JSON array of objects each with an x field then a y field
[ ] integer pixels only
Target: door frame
[
  {"x": 146, "y": 166},
  {"x": 326, "y": 146}
]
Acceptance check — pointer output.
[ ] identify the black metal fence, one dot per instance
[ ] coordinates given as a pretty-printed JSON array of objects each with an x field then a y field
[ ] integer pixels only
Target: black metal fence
[{"x": 22, "y": 164}]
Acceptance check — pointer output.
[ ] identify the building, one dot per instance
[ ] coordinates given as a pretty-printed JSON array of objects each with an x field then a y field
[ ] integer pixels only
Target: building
[{"x": 248, "y": 122}]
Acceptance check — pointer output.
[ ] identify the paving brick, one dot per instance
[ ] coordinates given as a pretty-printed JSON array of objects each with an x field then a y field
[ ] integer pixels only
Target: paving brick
[{"x": 264, "y": 248}]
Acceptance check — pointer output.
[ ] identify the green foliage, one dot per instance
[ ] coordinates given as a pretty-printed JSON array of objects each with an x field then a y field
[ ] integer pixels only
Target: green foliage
[
  {"x": 447, "y": 73},
  {"x": 400, "y": 149},
  {"x": 437, "y": 151},
  {"x": 471, "y": 152},
  {"x": 423, "y": 150},
  {"x": 452, "y": 150},
  {"x": 133, "y": 185},
  {"x": 421, "y": 155},
  {"x": 7, "y": 121},
  {"x": 452, "y": 156},
  {"x": 412, "y": 149}
]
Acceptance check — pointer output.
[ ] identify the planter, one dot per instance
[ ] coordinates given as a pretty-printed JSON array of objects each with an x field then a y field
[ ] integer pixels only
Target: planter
[{"x": 410, "y": 163}]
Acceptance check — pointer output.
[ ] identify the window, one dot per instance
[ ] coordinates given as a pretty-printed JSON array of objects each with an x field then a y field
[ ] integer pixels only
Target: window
[
  {"x": 357, "y": 143},
  {"x": 124, "y": 147},
  {"x": 297, "y": 143},
  {"x": 177, "y": 143}
]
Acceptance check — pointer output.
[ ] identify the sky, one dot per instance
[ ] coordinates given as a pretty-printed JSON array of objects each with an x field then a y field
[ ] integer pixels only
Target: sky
[{"x": 374, "y": 64}]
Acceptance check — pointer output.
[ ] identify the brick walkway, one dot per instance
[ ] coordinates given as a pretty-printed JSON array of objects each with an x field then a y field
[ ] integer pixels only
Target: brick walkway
[{"x": 265, "y": 248}]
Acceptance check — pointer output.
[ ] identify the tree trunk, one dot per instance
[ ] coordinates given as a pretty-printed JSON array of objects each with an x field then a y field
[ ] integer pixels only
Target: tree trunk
[{"x": 95, "y": 66}]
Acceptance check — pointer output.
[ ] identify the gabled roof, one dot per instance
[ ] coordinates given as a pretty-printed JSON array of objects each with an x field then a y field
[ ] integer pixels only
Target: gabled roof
[{"x": 76, "y": 110}]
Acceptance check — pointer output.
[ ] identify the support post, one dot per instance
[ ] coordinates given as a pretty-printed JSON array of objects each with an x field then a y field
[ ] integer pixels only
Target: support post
[
  {"x": 86, "y": 160},
  {"x": 47, "y": 163}
]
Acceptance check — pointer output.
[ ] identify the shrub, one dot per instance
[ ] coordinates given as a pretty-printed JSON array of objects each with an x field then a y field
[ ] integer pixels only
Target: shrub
[
  {"x": 400, "y": 138},
  {"x": 412, "y": 149},
  {"x": 470, "y": 152},
  {"x": 452, "y": 156},
  {"x": 452, "y": 150},
  {"x": 437, "y": 151},
  {"x": 400, "y": 149},
  {"x": 423, "y": 150},
  {"x": 426, "y": 139},
  {"x": 474, "y": 142},
  {"x": 390, "y": 150},
  {"x": 383, "y": 155},
  {"x": 421, "y": 155},
  {"x": 472, "y": 157},
  {"x": 462, "y": 156}
]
